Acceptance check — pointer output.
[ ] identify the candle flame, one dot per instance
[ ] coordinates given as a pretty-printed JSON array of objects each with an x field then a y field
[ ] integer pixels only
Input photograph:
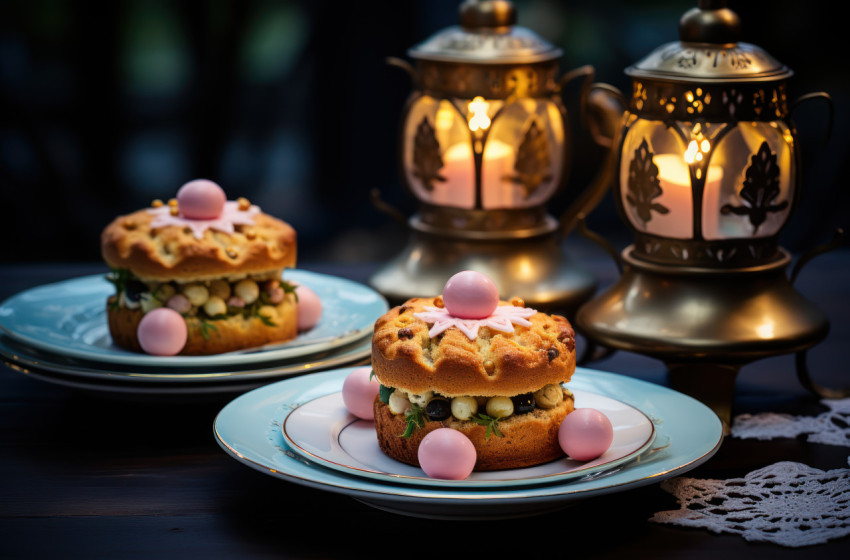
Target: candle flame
[
  {"x": 444, "y": 118},
  {"x": 696, "y": 150},
  {"x": 478, "y": 119}
]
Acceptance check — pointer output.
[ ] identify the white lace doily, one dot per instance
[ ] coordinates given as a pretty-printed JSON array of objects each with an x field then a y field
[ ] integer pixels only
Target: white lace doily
[
  {"x": 831, "y": 427},
  {"x": 787, "y": 503}
]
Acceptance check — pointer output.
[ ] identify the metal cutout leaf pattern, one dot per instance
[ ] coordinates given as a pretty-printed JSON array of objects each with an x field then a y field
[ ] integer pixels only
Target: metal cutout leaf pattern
[
  {"x": 761, "y": 187},
  {"x": 532, "y": 160},
  {"x": 427, "y": 160},
  {"x": 643, "y": 184}
]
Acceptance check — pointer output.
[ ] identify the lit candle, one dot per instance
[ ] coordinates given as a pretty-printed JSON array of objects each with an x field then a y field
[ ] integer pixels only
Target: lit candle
[
  {"x": 677, "y": 196},
  {"x": 498, "y": 191},
  {"x": 712, "y": 197},
  {"x": 458, "y": 190},
  {"x": 675, "y": 179},
  {"x": 458, "y": 169}
]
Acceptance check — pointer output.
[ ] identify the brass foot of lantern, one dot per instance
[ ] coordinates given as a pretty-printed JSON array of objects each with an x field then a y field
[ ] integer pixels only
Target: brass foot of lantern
[
  {"x": 711, "y": 384},
  {"x": 530, "y": 264},
  {"x": 704, "y": 323}
]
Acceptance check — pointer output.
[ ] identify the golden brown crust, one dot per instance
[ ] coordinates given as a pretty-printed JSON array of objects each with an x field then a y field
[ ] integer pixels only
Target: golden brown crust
[
  {"x": 233, "y": 333},
  {"x": 529, "y": 439},
  {"x": 495, "y": 363},
  {"x": 174, "y": 253}
]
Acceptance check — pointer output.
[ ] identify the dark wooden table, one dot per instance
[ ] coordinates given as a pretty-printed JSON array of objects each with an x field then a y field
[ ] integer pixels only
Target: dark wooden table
[{"x": 88, "y": 475}]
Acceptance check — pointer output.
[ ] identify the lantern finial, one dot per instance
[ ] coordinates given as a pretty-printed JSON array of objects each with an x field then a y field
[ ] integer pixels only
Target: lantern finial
[
  {"x": 711, "y": 22},
  {"x": 476, "y": 14}
]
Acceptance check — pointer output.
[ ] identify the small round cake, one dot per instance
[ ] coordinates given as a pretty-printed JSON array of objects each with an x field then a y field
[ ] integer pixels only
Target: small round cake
[
  {"x": 496, "y": 378},
  {"x": 218, "y": 263}
]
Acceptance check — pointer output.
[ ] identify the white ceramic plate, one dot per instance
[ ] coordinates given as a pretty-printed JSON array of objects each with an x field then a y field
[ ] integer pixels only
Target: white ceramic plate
[
  {"x": 93, "y": 375},
  {"x": 688, "y": 434},
  {"x": 324, "y": 431},
  {"x": 69, "y": 319}
]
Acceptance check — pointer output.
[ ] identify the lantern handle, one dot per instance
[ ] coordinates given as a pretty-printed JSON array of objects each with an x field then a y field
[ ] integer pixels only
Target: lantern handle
[
  {"x": 602, "y": 110},
  {"x": 386, "y": 208},
  {"x": 587, "y": 233},
  {"x": 830, "y": 105},
  {"x": 805, "y": 378},
  {"x": 834, "y": 243},
  {"x": 803, "y": 373},
  {"x": 406, "y": 66}
]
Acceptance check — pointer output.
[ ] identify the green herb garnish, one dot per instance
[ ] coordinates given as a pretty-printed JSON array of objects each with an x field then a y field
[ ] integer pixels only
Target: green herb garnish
[
  {"x": 157, "y": 293},
  {"x": 491, "y": 423},
  {"x": 415, "y": 419},
  {"x": 384, "y": 392},
  {"x": 265, "y": 319},
  {"x": 289, "y": 289},
  {"x": 206, "y": 327},
  {"x": 119, "y": 277}
]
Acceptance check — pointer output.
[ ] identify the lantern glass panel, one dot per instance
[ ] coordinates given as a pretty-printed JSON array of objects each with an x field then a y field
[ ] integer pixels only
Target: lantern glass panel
[
  {"x": 656, "y": 194},
  {"x": 521, "y": 145},
  {"x": 436, "y": 174},
  {"x": 523, "y": 161},
  {"x": 748, "y": 170},
  {"x": 754, "y": 198}
]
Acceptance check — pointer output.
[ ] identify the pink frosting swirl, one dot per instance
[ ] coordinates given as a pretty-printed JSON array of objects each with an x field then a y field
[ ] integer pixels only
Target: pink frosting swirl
[{"x": 230, "y": 217}]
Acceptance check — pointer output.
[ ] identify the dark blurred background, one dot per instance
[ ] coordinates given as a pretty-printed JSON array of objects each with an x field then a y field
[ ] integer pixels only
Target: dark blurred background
[{"x": 292, "y": 105}]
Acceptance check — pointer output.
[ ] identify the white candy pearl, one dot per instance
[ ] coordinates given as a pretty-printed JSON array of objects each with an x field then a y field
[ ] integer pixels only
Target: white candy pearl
[
  {"x": 500, "y": 407},
  {"x": 399, "y": 403},
  {"x": 463, "y": 408},
  {"x": 421, "y": 400},
  {"x": 197, "y": 294},
  {"x": 548, "y": 396},
  {"x": 215, "y": 306},
  {"x": 247, "y": 290}
]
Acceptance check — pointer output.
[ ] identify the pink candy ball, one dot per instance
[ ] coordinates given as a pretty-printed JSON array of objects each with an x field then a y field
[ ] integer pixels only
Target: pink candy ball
[
  {"x": 200, "y": 200},
  {"x": 447, "y": 454},
  {"x": 585, "y": 434},
  {"x": 359, "y": 391},
  {"x": 179, "y": 303},
  {"x": 470, "y": 295},
  {"x": 309, "y": 308},
  {"x": 162, "y": 332}
]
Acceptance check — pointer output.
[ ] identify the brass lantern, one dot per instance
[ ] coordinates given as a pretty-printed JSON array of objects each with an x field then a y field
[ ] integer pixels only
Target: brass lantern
[
  {"x": 484, "y": 146},
  {"x": 709, "y": 174}
]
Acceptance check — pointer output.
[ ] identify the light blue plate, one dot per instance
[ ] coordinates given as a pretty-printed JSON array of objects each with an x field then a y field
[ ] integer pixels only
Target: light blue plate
[
  {"x": 323, "y": 431},
  {"x": 687, "y": 434},
  {"x": 69, "y": 319}
]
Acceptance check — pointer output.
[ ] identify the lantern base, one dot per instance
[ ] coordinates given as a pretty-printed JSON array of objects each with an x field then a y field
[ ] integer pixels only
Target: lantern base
[
  {"x": 703, "y": 323},
  {"x": 532, "y": 266},
  {"x": 710, "y": 383}
]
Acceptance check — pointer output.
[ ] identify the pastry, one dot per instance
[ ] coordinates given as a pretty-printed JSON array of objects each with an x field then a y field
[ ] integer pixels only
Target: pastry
[
  {"x": 218, "y": 263},
  {"x": 465, "y": 360}
]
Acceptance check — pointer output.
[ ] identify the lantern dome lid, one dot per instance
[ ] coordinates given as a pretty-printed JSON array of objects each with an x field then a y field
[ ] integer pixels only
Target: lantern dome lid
[
  {"x": 709, "y": 51},
  {"x": 487, "y": 34}
]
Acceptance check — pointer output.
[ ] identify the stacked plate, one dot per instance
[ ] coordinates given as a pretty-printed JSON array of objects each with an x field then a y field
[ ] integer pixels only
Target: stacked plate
[
  {"x": 299, "y": 430},
  {"x": 58, "y": 333}
]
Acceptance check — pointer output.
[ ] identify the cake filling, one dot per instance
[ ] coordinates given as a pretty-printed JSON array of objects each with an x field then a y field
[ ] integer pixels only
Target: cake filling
[
  {"x": 209, "y": 300},
  {"x": 487, "y": 411}
]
